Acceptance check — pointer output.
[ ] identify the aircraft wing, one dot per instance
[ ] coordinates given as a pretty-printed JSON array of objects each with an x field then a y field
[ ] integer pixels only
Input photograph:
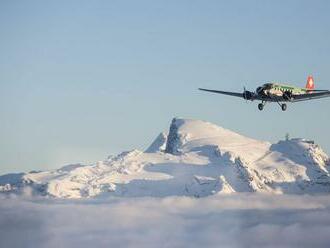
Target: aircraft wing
[
  {"x": 311, "y": 96},
  {"x": 224, "y": 92}
]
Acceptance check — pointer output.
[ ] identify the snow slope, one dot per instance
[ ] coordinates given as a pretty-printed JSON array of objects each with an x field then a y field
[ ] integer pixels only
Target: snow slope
[{"x": 196, "y": 158}]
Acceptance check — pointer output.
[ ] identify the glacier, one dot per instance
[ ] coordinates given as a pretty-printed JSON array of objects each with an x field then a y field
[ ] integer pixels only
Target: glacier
[{"x": 193, "y": 158}]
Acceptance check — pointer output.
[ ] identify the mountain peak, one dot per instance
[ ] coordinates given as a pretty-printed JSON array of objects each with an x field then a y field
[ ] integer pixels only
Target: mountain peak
[
  {"x": 196, "y": 158},
  {"x": 182, "y": 131}
]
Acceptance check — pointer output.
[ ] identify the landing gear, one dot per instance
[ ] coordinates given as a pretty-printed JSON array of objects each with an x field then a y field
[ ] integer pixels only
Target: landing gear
[
  {"x": 282, "y": 105},
  {"x": 262, "y": 105}
]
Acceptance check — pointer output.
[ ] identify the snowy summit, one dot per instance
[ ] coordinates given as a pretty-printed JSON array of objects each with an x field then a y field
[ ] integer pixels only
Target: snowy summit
[{"x": 194, "y": 158}]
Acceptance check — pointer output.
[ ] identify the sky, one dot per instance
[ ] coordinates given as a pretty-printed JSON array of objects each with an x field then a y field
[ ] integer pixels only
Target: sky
[{"x": 80, "y": 80}]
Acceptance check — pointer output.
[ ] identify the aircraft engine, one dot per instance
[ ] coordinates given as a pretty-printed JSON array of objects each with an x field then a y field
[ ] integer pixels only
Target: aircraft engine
[
  {"x": 287, "y": 95},
  {"x": 248, "y": 95}
]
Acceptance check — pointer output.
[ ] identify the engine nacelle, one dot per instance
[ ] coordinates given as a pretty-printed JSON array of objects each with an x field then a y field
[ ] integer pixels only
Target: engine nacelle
[
  {"x": 287, "y": 95},
  {"x": 248, "y": 95}
]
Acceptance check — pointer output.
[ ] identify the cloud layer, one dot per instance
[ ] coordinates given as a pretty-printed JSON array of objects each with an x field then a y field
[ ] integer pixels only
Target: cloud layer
[{"x": 239, "y": 220}]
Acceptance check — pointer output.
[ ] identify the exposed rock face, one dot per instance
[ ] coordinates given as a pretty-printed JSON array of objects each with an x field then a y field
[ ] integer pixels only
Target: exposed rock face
[
  {"x": 174, "y": 138},
  {"x": 200, "y": 159}
]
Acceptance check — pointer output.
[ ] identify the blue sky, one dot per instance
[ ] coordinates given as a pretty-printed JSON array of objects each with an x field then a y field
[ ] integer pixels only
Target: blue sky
[{"x": 80, "y": 80}]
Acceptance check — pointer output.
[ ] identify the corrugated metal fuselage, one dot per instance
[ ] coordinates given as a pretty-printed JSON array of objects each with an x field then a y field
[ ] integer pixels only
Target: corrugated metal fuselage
[{"x": 273, "y": 92}]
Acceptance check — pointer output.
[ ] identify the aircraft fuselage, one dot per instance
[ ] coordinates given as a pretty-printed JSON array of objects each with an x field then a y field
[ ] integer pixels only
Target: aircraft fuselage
[{"x": 275, "y": 92}]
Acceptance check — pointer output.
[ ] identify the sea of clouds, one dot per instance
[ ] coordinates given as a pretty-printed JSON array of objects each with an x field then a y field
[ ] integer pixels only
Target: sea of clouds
[{"x": 238, "y": 220}]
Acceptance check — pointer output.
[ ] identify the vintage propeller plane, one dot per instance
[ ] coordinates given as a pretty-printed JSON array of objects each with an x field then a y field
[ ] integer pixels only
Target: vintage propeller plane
[{"x": 279, "y": 93}]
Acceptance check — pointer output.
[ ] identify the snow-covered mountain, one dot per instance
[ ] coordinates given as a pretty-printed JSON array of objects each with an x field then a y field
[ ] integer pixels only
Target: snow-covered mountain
[{"x": 195, "y": 158}]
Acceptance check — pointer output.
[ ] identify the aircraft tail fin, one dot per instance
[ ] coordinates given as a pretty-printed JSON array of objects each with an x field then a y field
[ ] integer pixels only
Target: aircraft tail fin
[{"x": 310, "y": 83}]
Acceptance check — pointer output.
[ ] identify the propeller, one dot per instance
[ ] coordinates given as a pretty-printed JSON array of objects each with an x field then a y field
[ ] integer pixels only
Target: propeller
[
  {"x": 244, "y": 94},
  {"x": 247, "y": 95}
]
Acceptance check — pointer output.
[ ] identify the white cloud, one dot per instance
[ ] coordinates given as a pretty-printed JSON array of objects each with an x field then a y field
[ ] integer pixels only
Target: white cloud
[{"x": 239, "y": 220}]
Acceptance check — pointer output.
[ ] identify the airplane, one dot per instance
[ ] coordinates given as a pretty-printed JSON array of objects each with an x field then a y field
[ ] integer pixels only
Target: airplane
[{"x": 279, "y": 93}]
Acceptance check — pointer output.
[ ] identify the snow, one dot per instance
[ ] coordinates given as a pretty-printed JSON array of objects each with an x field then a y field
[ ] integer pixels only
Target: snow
[
  {"x": 197, "y": 185},
  {"x": 159, "y": 144},
  {"x": 196, "y": 159}
]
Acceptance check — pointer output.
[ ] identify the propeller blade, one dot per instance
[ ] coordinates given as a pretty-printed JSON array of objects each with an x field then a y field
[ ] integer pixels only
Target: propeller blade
[{"x": 244, "y": 94}]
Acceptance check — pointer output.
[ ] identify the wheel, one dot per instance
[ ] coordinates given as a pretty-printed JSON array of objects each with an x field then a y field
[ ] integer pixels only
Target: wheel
[
  {"x": 283, "y": 106},
  {"x": 260, "y": 106}
]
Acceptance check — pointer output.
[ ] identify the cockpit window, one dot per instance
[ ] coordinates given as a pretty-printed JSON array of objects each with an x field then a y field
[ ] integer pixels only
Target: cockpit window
[{"x": 267, "y": 86}]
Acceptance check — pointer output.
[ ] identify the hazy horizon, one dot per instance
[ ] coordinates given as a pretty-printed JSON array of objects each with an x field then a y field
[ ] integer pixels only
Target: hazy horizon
[{"x": 80, "y": 80}]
